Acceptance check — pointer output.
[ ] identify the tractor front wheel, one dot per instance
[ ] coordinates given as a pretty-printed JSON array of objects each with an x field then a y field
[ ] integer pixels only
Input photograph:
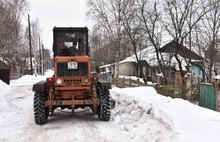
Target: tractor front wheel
[
  {"x": 104, "y": 112},
  {"x": 40, "y": 111}
]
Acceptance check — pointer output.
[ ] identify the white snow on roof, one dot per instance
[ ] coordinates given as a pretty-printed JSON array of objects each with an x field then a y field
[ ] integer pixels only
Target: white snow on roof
[
  {"x": 108, "y": 65},
  {"x": 149, "y": 55},
  {"x": 217, "y": 77}
]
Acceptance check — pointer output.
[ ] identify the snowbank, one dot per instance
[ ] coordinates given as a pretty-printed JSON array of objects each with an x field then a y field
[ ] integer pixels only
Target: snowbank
[
  {"x": 189, "y": 122},
  {"x": 134, "y": 113},
  {"x": 24, "y": 80},
  {"x": 30, "y": 79},
  {"x": 4, "y": 87}
]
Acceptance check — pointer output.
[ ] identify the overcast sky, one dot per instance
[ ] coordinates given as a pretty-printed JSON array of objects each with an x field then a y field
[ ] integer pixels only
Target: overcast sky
[{"x": 59, "y": 13}]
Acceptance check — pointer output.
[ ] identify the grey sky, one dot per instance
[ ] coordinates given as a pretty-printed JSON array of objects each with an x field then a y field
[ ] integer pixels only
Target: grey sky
[{"x": 59, "y": 13}]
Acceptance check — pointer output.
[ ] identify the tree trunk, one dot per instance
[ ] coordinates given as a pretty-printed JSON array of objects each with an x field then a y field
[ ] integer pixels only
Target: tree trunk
[
  {"x": 116, "y": 74},
  {"x": 217, "y": 91}
]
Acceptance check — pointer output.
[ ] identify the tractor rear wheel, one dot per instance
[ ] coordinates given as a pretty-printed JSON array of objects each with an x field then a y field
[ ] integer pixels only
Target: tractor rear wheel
[
  {"x": 40, "y": 111},
  {"x": 104, "y": 112}
]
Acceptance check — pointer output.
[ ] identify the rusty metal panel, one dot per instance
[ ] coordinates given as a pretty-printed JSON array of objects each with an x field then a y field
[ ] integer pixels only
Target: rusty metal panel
[{"x": 72, "y": 102}]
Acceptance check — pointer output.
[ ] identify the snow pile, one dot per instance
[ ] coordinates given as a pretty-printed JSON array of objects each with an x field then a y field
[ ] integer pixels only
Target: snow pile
[
  {"x": 16, "y": 111},
  {"x": 4, "y": 89},
  {"x": 187, "y": 121},
  {"x": 24, "y": 80},
  {"x": 30, "y": 80},
  {"x": 135, "y": 117},
  {"x": 192, "y": 123},
  {"x": 49, "y": 73}
]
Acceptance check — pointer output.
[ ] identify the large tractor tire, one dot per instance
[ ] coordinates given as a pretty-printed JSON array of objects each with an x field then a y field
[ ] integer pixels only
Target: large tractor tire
[
  {"x": 40, "y": 111},
  {"x": 104, "y": 112}
]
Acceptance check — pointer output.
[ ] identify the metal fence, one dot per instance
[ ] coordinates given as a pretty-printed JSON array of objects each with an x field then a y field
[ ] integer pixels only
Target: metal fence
[{"x": 207, "y": 97}]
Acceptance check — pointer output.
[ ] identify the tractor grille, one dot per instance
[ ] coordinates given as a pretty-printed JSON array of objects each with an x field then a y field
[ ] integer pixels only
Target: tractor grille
[{"x": 62, "y": 70}]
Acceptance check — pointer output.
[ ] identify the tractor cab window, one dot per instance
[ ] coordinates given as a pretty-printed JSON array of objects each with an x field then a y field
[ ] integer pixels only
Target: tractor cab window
[{"x": 70, "y": 43}]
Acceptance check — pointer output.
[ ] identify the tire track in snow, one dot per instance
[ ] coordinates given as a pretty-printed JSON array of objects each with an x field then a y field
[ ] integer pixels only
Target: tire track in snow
[{"x": 66, "y": 127}]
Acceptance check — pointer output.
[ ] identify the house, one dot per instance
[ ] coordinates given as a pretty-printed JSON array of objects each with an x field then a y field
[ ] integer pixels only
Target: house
[
  {"x": 195, "y": 61},
  {"x": 148, "y": 64},
  {"x": 129, "y": 66},
  {"x": 109, "y": 68}
]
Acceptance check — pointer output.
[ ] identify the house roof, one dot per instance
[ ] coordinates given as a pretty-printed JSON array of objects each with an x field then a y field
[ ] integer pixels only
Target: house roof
[
  {"x": 217, "y": 77},
  {"x": 4, "y": 65},
  {"x": 108, "y": 65},
  {"x": 148, "y": 54},
  {"x": 174, "y": 47}
]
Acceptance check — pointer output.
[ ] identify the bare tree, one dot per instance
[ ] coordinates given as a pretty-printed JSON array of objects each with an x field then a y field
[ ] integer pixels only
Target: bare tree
[
  {"x": 181, "y": 17},
  {"x": 36, "y": 31},
  {"x": 210, "y": 28},
  {"x": 47, "y": 59},
  {"x": 134, "y": 34},
  {"x": 108, "y": 17},
  {"x": 150, "y": 16},
  {"x": 101, "y": 50},
  {"x": 11, "y": 33}
]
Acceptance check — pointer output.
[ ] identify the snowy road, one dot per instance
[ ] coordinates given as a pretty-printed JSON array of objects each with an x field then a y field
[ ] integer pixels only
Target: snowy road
[
  {"x": 129, "y": 122},
  {"x": 140, "y": 115}
]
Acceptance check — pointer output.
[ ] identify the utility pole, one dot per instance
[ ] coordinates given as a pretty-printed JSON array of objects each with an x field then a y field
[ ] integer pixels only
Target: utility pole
[
  {"x": 43, "y": 58},
  {"x": 40, "y": 66},
  {"x": 29, "y": 37}
]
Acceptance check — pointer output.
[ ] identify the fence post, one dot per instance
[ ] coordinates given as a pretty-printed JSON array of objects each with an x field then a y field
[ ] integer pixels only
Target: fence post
[
  {"x": 130, "y": 82},
  {"x": 189, "y": 85},
  {"x": 217, "y": 93},
  {"x": 158, "y": 86},
  {"x": 123, "y": 82}
]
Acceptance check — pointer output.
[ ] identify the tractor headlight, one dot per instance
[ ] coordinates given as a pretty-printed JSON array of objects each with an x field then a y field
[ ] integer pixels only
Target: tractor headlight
[
  {"x": 59, "y": 81},
  {"x": 85, "y": 80}
]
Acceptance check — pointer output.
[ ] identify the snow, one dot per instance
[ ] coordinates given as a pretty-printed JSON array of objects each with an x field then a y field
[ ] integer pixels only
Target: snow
[
  {"x": 217, "y": 77},
  {"x": 108, "y": 65},
  {"x": 140, "y": 115},
  {"x": 147, "y": 54},
  {"x": 29, "y": 79},
  {"x": 135, "y": 78},
  {"x": 132, "y": 77},
  {"x": 189, "y": 122}
]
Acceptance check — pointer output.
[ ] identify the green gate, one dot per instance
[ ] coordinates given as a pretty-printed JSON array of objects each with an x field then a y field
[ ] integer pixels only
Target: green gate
[{"x": 207, "y": 96}]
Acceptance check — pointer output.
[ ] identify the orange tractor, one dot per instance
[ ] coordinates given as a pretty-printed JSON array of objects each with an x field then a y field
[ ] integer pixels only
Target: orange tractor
[{"x": 72, "y": 85}]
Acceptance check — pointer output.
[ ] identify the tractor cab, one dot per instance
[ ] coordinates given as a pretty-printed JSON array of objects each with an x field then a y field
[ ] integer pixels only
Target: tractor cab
[{"x": 70, "y": 41}]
